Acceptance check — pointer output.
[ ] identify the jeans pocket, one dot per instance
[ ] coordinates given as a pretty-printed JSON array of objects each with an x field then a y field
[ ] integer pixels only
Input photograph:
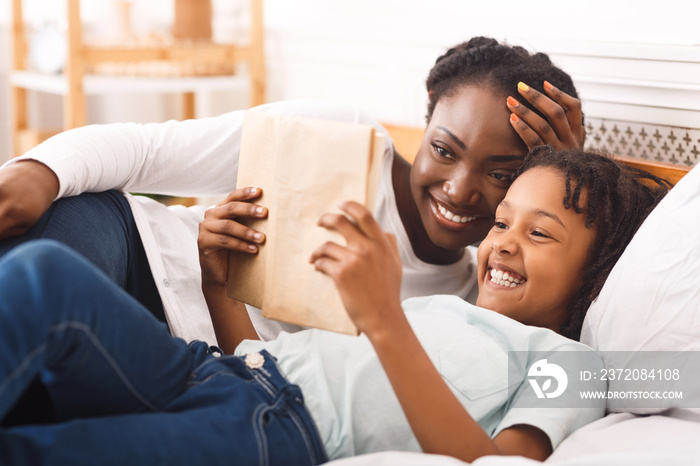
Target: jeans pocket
[{"x": 282, "y": 437}]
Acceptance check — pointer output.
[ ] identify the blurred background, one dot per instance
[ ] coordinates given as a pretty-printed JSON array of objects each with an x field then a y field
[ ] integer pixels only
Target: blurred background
[{"x": 636, "y": 63}]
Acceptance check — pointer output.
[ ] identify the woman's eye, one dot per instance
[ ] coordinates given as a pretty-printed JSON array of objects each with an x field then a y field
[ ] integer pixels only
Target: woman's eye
[
  {"x": 442, "y": 152},
  {"x": 505, "y": 177}
]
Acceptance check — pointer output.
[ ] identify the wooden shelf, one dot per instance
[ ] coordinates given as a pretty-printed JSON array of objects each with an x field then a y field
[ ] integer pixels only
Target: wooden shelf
[
  {"x": 104, "y": 85},
  {"x": 75, "y": 83}
]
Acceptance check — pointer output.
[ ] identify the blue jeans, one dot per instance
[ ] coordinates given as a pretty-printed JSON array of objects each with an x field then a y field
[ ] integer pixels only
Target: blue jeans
[
  {"x": 101, "y": 227},
  {"x": 125, "y": 391}
]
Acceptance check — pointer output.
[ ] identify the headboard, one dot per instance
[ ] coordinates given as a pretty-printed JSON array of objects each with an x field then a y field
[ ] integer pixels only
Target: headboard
[{"x": 407, "y": 140}]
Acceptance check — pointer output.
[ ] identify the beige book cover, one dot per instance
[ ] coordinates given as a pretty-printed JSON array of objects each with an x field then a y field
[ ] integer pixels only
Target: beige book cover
[{"x": 305, "y": 167}]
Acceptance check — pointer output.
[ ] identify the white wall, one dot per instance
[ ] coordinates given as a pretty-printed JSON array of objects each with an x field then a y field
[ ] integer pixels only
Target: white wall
[
  {"x": 632, "y": 61},
  {"x": 378, "y": 53}
]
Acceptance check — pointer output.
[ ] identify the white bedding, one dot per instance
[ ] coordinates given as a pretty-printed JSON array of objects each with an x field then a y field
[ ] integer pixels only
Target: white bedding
[{"x": 622, "y": 439}]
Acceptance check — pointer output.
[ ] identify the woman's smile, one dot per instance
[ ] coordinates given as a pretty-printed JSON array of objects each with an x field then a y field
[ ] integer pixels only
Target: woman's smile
[
  {"x": 463, "y": 168},
  {"x": 453, "y": 218}
]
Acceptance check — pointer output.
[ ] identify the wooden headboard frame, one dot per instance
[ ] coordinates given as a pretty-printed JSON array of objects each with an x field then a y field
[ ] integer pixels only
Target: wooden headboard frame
[{"x": 407, "y": 140}]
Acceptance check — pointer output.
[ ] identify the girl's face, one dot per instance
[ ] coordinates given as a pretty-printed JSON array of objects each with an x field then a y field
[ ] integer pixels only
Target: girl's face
[
  {"x": 540, "y": 245},
  {"x": 464, "y": 166}
]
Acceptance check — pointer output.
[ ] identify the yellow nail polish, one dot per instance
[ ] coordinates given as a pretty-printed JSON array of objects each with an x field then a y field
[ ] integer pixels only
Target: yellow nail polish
[{"x": 523, "y": 87}]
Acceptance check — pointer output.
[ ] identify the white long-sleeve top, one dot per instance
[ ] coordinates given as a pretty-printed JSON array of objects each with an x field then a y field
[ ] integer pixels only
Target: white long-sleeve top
[{"x": 197, "y": 158}]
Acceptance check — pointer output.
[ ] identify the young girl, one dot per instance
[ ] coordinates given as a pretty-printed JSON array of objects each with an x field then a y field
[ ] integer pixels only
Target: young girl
[
  {"x": 430, "y": 376},
  {"x": 482, "y": 117}
]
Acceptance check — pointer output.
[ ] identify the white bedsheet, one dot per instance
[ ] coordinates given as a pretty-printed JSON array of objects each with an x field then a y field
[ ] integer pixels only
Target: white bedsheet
[{"x": 617, "y": 439}]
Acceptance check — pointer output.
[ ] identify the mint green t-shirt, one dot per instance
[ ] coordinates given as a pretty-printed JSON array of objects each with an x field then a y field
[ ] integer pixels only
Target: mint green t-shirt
[{"x": 354, "y": 406}]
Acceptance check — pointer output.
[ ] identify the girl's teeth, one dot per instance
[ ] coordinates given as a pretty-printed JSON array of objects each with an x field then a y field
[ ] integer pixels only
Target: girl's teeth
[{"x": 502, "y": 278}]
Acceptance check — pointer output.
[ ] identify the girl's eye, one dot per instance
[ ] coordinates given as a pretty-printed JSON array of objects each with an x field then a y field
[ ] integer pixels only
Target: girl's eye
[
  {"x": 500, "y": 226},
  {"x": 442, "y": 152},
  {"x": 539, "y": 234}
]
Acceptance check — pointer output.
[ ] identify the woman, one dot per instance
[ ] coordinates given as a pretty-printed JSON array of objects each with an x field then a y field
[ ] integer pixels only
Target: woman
[
  {"x": 481, "y": 122},
  {"x": 127, "y": 392}
]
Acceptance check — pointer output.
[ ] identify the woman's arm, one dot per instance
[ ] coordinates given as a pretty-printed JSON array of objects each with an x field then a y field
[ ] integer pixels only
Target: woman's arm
[
  {"x": 196, "y": 157},
  {"x": 367, "y": 273},
  {"x": 188, "y": 158}
]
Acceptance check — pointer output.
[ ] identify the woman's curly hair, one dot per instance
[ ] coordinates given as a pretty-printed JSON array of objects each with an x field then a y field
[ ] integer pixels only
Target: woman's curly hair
[
  {"x": 483, "y": 60},
  {"x": 619, "y": 199}
]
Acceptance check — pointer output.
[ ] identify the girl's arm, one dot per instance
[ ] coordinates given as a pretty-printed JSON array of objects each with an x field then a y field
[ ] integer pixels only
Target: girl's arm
[
  {"x": 229, "y": 318},
  {"x": 219, "y": 233},
  {"x": 438, "y": 419},
  {"x": 367, "y": 273}
]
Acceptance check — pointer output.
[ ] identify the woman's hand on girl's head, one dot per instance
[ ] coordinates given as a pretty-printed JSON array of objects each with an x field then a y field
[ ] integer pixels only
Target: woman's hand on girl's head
[
  {"x": 367, "y": 271},
  {"x": 221, "y": 232},
  {"x": 563, "y": 128}
]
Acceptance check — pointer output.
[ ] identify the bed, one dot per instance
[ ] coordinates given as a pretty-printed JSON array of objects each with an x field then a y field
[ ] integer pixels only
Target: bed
[{"x": 650, "y": 302}]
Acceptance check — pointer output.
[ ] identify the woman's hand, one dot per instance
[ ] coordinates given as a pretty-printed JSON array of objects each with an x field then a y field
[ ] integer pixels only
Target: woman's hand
[
  {"x": 367, "y": 271},
  {"x": 27, "y": 189},
  {"x": 563, "y": 128},
  {"x": 221, "y": 232}
]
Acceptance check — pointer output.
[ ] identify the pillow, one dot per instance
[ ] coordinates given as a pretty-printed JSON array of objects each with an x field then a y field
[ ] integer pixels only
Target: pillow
[{"x": 651, "y": 300}]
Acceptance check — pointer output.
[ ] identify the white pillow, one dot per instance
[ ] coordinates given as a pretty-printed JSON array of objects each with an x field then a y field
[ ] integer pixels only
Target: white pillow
[{"x": 651, "y": 300}]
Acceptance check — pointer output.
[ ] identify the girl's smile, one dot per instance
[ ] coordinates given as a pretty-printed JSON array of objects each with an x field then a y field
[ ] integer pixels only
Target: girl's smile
[
  {"x": 501, "y": 277},
  {"x": 532, "y": 261}
]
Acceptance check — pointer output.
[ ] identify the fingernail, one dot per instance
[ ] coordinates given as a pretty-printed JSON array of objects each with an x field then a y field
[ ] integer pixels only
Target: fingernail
[
  {"x": 514, "y": 118},
  {"x": 252, "y": 247},
  {"x": 257, "y": 236},
  {"x": 512, "y": 102},
  {"x": 523, "y": 87},
  {"x": 548, "y": 85},
  {"x": 260, "y": 210},
  {"x": 254, "y": 190}
]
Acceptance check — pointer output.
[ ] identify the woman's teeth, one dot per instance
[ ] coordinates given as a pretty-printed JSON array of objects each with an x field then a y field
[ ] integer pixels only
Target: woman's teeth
[
  {"x": 452, "y": 217},
  {"x": 502, "y": 278}
]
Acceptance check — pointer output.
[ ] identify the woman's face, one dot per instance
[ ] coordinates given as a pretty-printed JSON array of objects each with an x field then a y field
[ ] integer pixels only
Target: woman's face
[
  {"x": 540, "y": 245},
  {"x": 464, "y": 166}
]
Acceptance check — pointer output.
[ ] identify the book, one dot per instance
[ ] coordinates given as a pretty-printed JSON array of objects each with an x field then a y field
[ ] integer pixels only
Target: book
[{"x": 305, "y": 167}]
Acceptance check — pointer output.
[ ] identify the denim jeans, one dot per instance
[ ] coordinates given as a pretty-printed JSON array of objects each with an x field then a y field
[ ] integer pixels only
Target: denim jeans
[
  {"x": 101, "y": 227},
  {"x": 125, "y": 391}
]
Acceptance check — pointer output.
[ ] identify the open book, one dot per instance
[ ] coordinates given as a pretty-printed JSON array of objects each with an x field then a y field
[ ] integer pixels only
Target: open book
[{"x": 305, "y": 167}]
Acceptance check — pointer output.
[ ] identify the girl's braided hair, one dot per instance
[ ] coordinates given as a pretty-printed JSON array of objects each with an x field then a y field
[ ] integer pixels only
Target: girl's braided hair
[
  {"x": 485, "y": 61},
  {"x": 619, "y": 199}
]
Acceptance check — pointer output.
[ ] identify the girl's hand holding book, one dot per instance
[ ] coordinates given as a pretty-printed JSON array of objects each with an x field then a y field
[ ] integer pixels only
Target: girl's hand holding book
[
  {"x": 366, "y": 271},
  {"x": 222, "y": 231}
]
